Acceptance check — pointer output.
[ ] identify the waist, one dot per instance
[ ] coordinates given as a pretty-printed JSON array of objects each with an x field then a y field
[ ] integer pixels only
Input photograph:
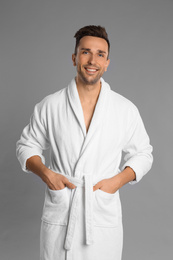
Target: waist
[{"x": 80, "y": 182}]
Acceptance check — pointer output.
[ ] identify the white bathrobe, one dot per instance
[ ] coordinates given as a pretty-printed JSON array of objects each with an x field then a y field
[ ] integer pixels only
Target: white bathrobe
[{"x": 81, "y": 224}]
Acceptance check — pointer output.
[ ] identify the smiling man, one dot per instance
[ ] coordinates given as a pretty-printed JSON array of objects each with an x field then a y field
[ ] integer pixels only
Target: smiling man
[{"x": 86, "y": 126}]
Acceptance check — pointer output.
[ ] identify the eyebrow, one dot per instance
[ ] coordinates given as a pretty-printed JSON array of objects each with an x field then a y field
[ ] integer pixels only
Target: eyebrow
[{"x": 87, "y": 49}]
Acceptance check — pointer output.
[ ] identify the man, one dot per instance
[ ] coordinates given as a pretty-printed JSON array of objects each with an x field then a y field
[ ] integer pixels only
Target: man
[{"x": 86, "y": 126}]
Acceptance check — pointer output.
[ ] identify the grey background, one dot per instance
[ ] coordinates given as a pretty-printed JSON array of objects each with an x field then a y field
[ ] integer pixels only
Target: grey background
[{"x": 36, "y": 43}]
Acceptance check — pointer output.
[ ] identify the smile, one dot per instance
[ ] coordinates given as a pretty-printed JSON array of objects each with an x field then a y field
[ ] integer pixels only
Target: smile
[{"x": 91, "y": 70}]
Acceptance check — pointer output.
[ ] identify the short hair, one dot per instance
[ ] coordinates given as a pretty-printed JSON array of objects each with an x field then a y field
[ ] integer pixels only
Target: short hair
[{"x": 91, "y": 30}]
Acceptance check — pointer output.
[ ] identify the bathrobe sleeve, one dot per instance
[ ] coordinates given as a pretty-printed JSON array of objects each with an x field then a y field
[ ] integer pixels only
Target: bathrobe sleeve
[
  {"x": 138, "y": 151},
  {"x": 34, "y": 138}
]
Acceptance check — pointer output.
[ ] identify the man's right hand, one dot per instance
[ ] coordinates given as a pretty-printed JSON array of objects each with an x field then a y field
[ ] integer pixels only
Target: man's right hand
[{"x": 54, "y": 181}]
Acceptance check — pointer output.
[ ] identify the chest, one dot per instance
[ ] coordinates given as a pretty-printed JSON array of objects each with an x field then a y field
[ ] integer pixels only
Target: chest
[{"x": 88, "y": 111}]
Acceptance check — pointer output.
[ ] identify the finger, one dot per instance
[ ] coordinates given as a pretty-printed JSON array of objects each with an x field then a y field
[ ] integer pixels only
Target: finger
[
  {"x": 70, "y": 185},
  {"x": 60, "y": 186},
  {"x": 97, "y": 186}
]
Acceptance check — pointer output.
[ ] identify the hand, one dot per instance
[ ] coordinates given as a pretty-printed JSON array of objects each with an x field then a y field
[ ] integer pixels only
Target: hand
[
  {"x": 56, "y": 181},
  {"x": 110, "y": 185}
]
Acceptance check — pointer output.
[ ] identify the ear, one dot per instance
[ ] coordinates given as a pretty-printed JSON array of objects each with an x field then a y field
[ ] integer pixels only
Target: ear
[
  {"x": 74, "y": 59},
  {"x": 107, "y": 64}
]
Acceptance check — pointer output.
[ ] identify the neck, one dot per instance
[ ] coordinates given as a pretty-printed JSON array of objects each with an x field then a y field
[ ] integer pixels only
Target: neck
[{"x": 88, "y": 92}]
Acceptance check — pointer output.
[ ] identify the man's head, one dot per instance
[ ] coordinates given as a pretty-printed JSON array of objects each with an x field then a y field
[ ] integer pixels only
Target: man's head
[{"x": 91, "y": 54}]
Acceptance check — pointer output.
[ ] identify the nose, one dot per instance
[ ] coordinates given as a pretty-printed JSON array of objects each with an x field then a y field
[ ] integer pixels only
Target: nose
[{"x": 91, "y": 59}]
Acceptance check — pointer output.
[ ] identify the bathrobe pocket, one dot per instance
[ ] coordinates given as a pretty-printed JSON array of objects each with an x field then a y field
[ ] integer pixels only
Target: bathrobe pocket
[
  {"x": 107, "y": 209},
  {"x": 56, "y": 207}
]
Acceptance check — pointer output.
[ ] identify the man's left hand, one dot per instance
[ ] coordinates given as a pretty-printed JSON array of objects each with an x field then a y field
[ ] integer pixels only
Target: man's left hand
[
  {"x": 110, "y": 185},
  {"x": 113, "y": 184}
]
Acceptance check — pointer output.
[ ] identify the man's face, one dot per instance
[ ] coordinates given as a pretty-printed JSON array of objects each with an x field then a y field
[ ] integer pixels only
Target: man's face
[{"x": 91, "y": 59}]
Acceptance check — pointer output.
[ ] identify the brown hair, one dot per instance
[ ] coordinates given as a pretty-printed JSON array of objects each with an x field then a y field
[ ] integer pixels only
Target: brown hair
[{"x": 91, "y": 30}]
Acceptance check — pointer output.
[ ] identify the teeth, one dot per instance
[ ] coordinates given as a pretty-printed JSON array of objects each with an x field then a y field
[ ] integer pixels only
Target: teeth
[{"x": 90, "y": 69}]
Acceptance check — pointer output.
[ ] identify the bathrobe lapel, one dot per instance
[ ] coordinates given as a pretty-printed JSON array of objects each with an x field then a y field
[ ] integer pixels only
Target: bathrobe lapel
[{"x": 75, "y": 103}]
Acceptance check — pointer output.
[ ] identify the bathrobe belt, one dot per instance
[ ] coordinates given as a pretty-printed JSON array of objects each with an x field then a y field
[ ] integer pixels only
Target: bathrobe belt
[{"x": 86, "y": 182}]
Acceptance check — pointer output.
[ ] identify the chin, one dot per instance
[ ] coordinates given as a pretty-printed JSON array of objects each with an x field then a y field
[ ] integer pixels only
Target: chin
[{"x": 90, "y": 81}]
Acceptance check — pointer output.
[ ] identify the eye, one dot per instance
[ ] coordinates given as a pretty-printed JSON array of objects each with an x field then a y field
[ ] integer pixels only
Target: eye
[
  {"x": 101, "y": 55},
  {"x": 85, "y": 52}
]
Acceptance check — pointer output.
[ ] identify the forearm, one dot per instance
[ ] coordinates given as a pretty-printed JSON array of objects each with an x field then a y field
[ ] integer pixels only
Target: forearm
[
  {"x": 35, "y": 165},
  {"x": 124, "y": 177}
]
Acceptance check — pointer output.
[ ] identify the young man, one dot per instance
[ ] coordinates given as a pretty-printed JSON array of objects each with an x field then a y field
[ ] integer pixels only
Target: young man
[{"x": 86, "y": 126}]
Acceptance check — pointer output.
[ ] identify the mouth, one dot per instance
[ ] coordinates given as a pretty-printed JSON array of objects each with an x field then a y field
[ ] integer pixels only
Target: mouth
[{"x": 90, "y": 70}]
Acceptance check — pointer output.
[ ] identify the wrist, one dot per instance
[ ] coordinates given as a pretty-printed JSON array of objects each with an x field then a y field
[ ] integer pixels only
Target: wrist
[
  {"x": 118, "y": 181},
  {"x": 45, "y": 173}
]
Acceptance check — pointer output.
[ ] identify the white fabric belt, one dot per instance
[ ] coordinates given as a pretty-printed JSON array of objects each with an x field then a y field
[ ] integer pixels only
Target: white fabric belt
[{"x": 88, "y": 184}]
